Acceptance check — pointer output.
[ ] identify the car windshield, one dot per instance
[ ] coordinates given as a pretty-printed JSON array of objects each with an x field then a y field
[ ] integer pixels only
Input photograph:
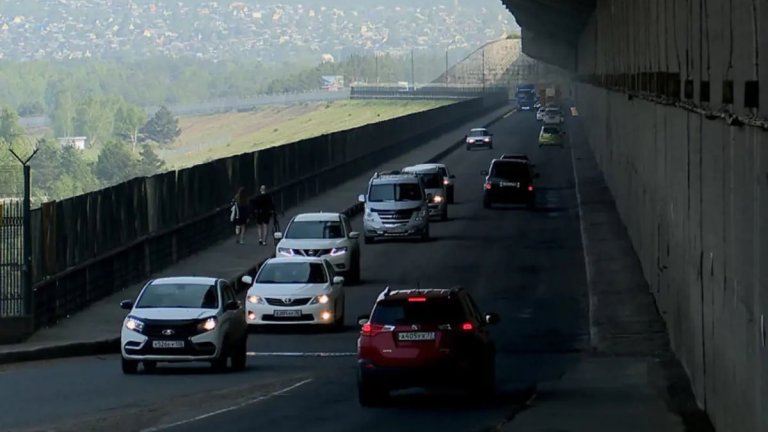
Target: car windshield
[
  {"x": 179, "y": 295},
  {"x": 510, "y": 171},
  {"x": 551, "y": 130},
  {"x": 292, "y": 273},
  {"x": 478, "y": 133},
  {"x": 443, "y": 172},
  {"x": 434, "y": 311},
  {"x": 553, "y": 111},
  {"x": 432, "y": 180},
  {"x": 315, "y": 230},
  {"x": 395, "y": 192}
]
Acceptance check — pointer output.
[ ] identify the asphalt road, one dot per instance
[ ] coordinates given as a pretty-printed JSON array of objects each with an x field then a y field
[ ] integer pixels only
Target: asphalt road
[{"x": 525, "y": 265}]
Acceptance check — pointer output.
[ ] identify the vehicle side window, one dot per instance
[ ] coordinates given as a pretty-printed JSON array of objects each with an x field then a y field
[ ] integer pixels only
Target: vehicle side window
[
  {"x": 226, "y": 293},
  {"x": 346, "y": 225},
  {"x": 473, "y": 309},
  {"x": 330, "y": 271}
]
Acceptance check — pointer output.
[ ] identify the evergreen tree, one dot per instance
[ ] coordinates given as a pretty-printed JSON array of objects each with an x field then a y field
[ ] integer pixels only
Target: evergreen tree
[
  {"x": 163, "y": 127},
  {"x": 116, "y": 163},
  {"x": 150, "y": 163}
]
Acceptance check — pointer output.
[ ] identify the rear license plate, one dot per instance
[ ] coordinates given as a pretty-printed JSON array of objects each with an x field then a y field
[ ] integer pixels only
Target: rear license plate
[
  {"x": 287, "y": 313},
  {"x": 416, "y": 336},
  {"x": 167, "y": 344},
  {"x": 505, "y": 184}
]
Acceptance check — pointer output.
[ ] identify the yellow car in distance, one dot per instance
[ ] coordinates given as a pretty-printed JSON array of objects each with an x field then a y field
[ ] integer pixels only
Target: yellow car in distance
[{"x": 551, "y": 136}]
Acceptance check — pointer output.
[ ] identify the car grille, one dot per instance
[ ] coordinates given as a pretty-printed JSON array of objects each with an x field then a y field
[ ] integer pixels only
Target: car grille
[
  {"x": 312, "y": 252},
  {"x": 180, "y": 329},
  {"x": 294, "y": 302},
  {"x": 395, "y": 216}
]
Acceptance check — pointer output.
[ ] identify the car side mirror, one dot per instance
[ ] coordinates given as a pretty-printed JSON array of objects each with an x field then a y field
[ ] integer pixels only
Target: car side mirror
[
  {"x": 361, "y": 198},
  {"x": 354, "y": 235},
  {"x": 338, "y": 280},
  {"x": 248, "y": 280},
  {"x": 232, "y": 305},
  {"x": 278, "y": 235},
  {"x": 484, "y": 172},
  {"x": 363, "y": 319},
  {"x": 492, "y": 318},
  {"x": 126, "y": 304}
]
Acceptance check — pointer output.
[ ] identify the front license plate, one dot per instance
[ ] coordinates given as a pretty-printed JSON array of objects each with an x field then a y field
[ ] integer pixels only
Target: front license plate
[
  {"x": 416, "y": 336},
  {"x": 287, "y": 313},
  {"x": 167, "y": 344}
]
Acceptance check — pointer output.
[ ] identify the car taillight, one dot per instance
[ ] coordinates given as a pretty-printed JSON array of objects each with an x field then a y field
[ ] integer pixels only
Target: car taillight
[
  {"x": 417, "y": 299},
  {"x": 488, "y": 185},
  {"x": 530, "y": 188},
  {"x": 369, "y": 329},
  {"x": 467, "y": 326},
  {"x": 445, "y": 182}
]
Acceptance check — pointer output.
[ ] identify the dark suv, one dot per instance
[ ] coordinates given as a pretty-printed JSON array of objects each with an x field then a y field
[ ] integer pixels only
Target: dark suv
[
  {"x": 424, "y": 338},
  {"x": 509, "y": 181}
]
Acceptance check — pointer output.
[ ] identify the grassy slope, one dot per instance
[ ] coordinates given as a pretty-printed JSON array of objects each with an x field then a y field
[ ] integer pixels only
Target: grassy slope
[{"x": 211, "y": 137}]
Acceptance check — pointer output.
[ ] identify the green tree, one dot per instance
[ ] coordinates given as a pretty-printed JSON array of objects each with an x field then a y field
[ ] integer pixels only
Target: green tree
[
  {"x": 10, "y": 129},
  {"x": 46, "y": 168},
  {"x": 128, "y": 122},
  {"x": 150, "y": 163},
  {"x": 116, "y": 163},
  {"x": 94, "y": 118},
  {"x": 79, "y": 170},
  {"x": 163, "y": 127}
]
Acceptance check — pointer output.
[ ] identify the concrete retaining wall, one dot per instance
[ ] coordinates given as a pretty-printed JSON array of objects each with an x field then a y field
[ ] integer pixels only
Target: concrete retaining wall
[{"x": 666, "y": 86}]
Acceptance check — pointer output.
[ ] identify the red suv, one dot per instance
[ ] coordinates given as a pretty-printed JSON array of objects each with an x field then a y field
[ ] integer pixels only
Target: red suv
[{"x": 424, "y": 338}]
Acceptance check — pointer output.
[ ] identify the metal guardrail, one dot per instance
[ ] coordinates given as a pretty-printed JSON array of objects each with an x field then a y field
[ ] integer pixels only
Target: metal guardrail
[{"x": 432, "y": 92}]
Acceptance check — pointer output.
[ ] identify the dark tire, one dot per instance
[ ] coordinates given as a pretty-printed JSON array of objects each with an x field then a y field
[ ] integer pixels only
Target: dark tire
[
  {"x": 425, "y": 234},
  {"x": 240, "y": 354},
  {"x": 354, "y": 274},
  {"x": 469, "y": 148},
  {"x": 149, "y": 366},
  {"x": 484, "y": 384},
  {"x": 532, "y": 204},
  {"x": 486, "y": 203},
  {"x": 370, "y": 394},
  {"x": 338, "y": 324},
  {"x": 369, "y": 240},
  {"x": 450, "y": 196},
  {"x": 129, "y": 367},
  {"x": 220, "y": 364},
  {"x": 444, "y": 216}
]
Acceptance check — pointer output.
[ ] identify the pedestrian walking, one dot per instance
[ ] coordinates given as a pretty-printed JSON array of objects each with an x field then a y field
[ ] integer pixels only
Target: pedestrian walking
[
  {"x": 264, "y": 209},
  {"x": 239, "y": 212}
]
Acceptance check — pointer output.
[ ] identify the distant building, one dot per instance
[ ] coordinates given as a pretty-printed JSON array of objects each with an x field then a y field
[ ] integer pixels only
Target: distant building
[
  {"x": 76, "y": 142},
  {"x": 332, "y": 82}
]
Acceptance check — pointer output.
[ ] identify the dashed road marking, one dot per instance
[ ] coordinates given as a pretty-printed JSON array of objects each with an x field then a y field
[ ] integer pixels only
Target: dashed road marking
[
  {"x": 509, "y": 114},
  {"x": 302, "y": 354},
  {"x": 232, "y": 408}
]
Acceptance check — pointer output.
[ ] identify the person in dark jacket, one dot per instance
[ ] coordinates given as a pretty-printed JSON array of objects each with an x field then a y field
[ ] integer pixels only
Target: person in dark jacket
[
  {"x": 239, "y": 214},
  {"x": 263, "y": 208}
]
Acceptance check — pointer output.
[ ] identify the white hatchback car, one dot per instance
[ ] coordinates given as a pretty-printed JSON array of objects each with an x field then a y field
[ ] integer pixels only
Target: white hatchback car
[
  {"x": 180, "y": 319},
  {"x": 553, "y": 116},
  {"x": 326, "y": 235},
  {"x": 295, "y": 291}
]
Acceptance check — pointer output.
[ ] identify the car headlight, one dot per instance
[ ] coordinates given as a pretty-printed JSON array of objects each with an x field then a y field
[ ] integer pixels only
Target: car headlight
[
  {"x": 207, "y": 324},
  {"x": 285, "y": 251},
  {"x": 132, "y": 323},
  {"x": 338, "y": 251},
  {"x": 255, "y": 299},
  {"x": 437, "y": 199},
  {"x": 487, "y": 139},
  {"x": 321, "y": 299},
  {"x": 368, "y": 215}
]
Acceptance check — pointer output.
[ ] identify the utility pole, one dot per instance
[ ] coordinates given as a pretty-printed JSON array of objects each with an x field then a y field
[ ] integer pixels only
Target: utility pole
[
  {"x": 413, "y": 73},
  {"x": 26, "y": 268},
  {"x": 446, "y": 66},
  {"x": 483, "y": 70},
  {"x": 376, "y": 61}
]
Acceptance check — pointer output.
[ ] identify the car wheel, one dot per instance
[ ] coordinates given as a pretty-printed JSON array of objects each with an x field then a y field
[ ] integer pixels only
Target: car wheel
[
  {"x": 425, "y": 234},
  {"x": 240, "y": 353},
  {"x": 444, "y": 215},
  {"x": 149, "y": 366},
  {"x": 486, "y": 203},
  {"x": 339, "y": 321},
  {"x": 532, "y": 203},
  {"x": 219, "y": 364},
  {"x": 356, "y": 272},
  {"x": 450, "y": 196},
  {"x": 370, "y": 394},
  {"x": 483, "y": 385},
  {"x": 129, "y": 366}
]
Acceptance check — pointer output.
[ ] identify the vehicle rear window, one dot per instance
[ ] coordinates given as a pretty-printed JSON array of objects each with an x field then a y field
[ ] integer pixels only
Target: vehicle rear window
[
  {"x": 551, "y": 130},
  {"x": 432, "y": 180},
  {"x": 433, "y": 311},
  {"x": 443, "y": 172},
  {"x": 478, "y": 133},
  {"x": 510, "y": 170},
  {"x": 181, "y": 295}
]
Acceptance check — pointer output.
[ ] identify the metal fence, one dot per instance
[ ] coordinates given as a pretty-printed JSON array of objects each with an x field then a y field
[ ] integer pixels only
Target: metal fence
[{"x": 11, "y": 259}]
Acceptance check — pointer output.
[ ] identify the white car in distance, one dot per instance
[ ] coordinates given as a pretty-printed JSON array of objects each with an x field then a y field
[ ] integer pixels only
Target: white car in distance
[
  {"x": 326, "y": 235},
  {"x": 553, "y": 116},
  {"x": 302, "y": 290}
]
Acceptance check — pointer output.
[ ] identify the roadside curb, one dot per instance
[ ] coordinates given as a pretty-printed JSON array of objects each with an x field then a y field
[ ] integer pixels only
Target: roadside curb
[{"x": 112, "y": 345}]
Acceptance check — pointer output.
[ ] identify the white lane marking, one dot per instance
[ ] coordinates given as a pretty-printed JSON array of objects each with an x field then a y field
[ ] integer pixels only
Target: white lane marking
[
  {"x": 232, "y": 408},
  {"x": 509, "y": 114},
  {"x": 582, "y": 228},
  {"x": 302, "y": 354}
]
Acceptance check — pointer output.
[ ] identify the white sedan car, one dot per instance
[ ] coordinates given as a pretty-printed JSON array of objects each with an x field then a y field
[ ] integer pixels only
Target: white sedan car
[
  {"x": 540, "y": 114},
  {"x": 553, "y": 116},
  {"x": 326, "y": 235},
  {"x": 295, "y": 291}
]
